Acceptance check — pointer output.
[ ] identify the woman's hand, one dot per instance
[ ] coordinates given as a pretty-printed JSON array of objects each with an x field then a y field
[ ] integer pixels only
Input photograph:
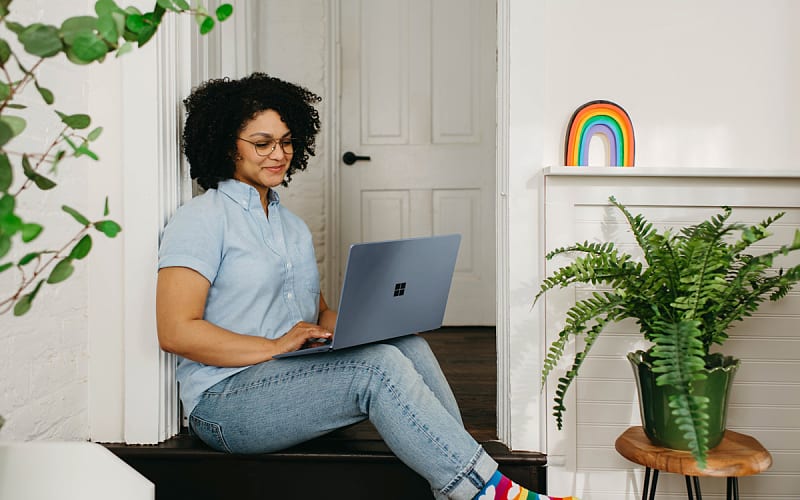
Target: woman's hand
[{"x": 302, "y": 333}]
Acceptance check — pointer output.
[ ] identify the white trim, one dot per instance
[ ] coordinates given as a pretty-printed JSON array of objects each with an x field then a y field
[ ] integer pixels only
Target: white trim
[
  {"x": 331, "y": 140},
  {"x": 501, "y": 221},
  {"x": 157, "y": 75}
]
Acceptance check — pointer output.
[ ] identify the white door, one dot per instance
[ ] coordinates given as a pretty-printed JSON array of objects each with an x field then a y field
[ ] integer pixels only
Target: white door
[{"x": 418, "y": 99}]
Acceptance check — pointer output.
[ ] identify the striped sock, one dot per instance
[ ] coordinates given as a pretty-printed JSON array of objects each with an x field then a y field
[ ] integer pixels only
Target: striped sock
[{"x": 499, "y": 487}]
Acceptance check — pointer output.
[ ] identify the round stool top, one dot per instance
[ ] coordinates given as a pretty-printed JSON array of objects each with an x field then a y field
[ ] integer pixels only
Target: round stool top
[{"x": 737, "y": 455}]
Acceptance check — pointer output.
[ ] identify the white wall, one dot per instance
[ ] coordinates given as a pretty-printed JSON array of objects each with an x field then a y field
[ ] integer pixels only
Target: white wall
[{"x": 44, "y": 355}]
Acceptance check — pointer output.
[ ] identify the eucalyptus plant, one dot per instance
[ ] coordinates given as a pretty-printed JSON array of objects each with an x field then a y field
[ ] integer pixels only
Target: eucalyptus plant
[
  {"x": 82, "y": 39},
  {"x": 693, "y": 285}
]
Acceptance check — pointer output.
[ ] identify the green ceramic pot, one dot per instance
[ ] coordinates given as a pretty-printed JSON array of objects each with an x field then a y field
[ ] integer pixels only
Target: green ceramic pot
[{"x": 654, "y": 400}]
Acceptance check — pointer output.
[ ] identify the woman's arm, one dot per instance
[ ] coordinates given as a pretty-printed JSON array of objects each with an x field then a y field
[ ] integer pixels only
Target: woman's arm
[
  {"x": 327, "y": 316},
  {"x": 180, "y": 300}
]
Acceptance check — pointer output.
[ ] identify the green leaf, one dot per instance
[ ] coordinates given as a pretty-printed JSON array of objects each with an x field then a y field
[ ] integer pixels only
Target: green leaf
[
  {"x": 88, "y": 47},
  {"x": 224, "y": 11},
  {"x": 46, "y": 94},
  {"x": 83, "y": 150},
  {"x": 105, "y": 7},
  {"x": 5, "y": 244},
  {"x": 76, "y": 215},
  {"x": 166, "y": 4},
  {"x": 16, "y": 106},
  {"x": 5, "y": 52},
  {"x": 23, "y": 305},
  {"x": 41, "y": 181},
  {"x": 182, "y": 4},
  {"x": 94, "y": 134},
  {"x": 16, "y": 123},
  {"x": 5, "y": 91},
  {"x": 28, "y": 258},
  {"x": 135, "y": 22},
  {"x": 7, "y": 205},
  {"x": 41, "y": 40},
  {"x": 108, "y": 227},
  {"x": 105, "y": 208},
  {"x": 74, "y": 27},
  {"x": 77, "y": 121},
  {"x": 124, "y": 49},
  {"x": 6, "y": 173},
  {"x": 61, "y": 271},
  {"x": 15, "y": 27},
  {"x": 206, "y": 25},
  {"x": 30, "y": 231},
  {"x": 82, "y": 248},
  {"x": 6, "y": 266},
  {"x": 107, "y": 29},
  {"x": 6, "y": 133}
]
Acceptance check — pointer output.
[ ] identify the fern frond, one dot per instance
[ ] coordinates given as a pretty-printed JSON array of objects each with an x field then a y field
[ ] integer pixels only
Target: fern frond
[{"x": 691, "y": 416}]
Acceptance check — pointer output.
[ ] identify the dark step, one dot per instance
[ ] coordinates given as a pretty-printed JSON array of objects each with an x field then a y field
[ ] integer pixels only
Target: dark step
[{"x": 331, "y": 468}]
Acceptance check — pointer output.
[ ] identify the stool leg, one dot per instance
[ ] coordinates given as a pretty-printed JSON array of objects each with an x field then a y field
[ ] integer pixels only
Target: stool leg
[
  {"x": 689, "y": 487},
  {"x": 733, "y": 489},
  {"x": 646, "y": 486},
  {"x": 653, "y": 487},
  {"x": 696, "y": 481}
]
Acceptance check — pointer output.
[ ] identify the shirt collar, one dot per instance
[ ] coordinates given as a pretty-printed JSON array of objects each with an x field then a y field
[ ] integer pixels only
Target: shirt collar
[{"x": 245, "y": 195}]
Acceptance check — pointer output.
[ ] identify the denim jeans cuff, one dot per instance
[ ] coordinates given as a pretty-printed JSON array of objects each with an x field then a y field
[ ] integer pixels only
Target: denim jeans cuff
[{"x": 471, "y": 480}]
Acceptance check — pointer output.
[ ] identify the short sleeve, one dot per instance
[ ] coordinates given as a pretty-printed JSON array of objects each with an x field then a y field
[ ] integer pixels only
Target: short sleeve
[{"x": 193, "y": 239}]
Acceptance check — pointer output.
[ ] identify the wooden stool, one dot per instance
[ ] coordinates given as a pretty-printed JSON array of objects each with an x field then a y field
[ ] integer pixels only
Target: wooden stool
[{"x": 737, "y": 455}]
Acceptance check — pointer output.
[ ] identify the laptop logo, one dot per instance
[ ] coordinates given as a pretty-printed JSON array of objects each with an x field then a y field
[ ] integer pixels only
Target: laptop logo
[{"x": 399, "y": 289}]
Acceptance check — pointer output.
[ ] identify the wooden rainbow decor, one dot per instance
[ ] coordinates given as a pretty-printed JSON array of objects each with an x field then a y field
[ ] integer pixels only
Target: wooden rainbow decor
[{"x": 606, "y": 119}]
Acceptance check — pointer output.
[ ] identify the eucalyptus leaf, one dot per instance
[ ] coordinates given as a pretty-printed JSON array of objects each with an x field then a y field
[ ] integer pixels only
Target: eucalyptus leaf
[
  {"x": 166, "y": 4},
  {"x": 77, "y": 121},
  {"x": 5, "y": 52},
  {"x": 135, "y": 23},
  {"x": 76, "y": 215},
  {"x": 83, "y": 150},
  {"x": 206, "y": 25},
  {"x": 5, "y": 244},
  {"x": 46, "y": 94},
  {"x": 76, "y": 26},
  {"x": 23, "y": 305},
  {"x": 43, "y": 182},
  {"x": 10, "y": 224},
  {"x": 28, "y": 258},
  {"x": 30, "y": 231},
  {"x": 124, "y": 49},
  {"x": 104, "y": 7},
  {"x": 6, "y": 266},
  {"x": 15, "y": 27},
  {"x": 224, "y": 11},
  {"x": 183, "y": 4},
  {"x": 61, "y": 271},
  {"x": 108, "y": 29},
  {"x": 16, "y": 123},
  {"x": 7, "y": 204},
  {"x": 88, "y": 47},
  {"x": 41, "y": 40},
  {"x": 108, "y": 227},
  {"x": 82, "y": 248},
  {"x": 106, "y": 211},
  {"x": 94, "y": 134},
  {"x": 6, "y": 173},
  {"x": 14, "y": 105},
  {"x": 5, "y": 91},
  {"x": 6, "y": 133}
]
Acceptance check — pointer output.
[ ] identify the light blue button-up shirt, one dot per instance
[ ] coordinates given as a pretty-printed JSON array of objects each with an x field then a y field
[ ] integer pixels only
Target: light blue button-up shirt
[{"x": 263, "y": 272}]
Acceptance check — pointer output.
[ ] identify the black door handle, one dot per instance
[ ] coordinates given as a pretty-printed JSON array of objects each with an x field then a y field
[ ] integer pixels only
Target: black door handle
[{"x": 349, "y": 158}]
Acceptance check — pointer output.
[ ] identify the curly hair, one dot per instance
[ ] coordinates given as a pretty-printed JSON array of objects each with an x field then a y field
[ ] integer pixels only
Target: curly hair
[{"x": 219, "y": 109}]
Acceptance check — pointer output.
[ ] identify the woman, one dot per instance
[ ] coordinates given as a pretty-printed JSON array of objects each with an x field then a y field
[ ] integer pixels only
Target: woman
[{"x": 238, "y": 284}]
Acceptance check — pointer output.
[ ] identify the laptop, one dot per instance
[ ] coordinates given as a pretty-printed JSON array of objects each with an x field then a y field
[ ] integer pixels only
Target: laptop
[{"x": 391, "y": 288}]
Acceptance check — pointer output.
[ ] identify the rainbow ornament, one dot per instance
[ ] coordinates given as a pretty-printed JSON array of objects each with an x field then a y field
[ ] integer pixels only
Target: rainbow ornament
[{"x": 606, "y": 119}]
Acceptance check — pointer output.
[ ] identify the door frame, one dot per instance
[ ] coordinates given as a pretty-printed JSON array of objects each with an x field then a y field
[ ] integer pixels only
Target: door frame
[{"x": 502, "y": 317}]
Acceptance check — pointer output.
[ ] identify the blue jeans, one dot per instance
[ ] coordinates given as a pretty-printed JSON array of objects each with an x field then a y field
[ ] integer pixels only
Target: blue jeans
[{"x": 397, "y": 385}]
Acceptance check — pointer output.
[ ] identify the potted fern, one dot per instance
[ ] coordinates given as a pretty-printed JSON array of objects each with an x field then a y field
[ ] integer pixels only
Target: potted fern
[{"x": 692, "y": 286}]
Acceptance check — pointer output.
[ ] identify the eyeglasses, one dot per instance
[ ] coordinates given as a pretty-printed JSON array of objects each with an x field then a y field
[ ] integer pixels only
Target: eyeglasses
[{"x": 267, "y": 147}]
